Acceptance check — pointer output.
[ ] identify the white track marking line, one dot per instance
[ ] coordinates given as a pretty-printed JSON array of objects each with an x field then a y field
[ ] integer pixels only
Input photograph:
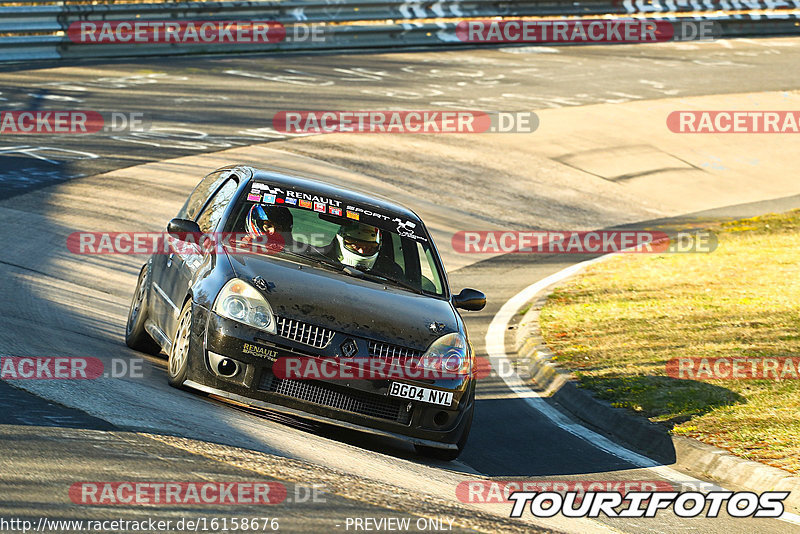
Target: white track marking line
[{"x": 496, "y": 348}]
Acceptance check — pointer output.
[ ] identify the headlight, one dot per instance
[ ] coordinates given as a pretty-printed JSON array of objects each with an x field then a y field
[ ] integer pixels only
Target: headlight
[
  {"x": 449, "y": 355},
  {"x": 241, "y": 302}
]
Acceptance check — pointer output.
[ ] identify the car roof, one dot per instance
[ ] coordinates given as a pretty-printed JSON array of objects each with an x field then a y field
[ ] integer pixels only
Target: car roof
[{"x": 290, "y": 179}]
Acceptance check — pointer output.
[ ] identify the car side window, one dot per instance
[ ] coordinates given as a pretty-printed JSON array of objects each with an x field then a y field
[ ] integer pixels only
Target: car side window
[
  {"x": 398, "y": 251},
  {"x": 216, "y": 206},
  {"x": 430, "y": 280},
  {"x": 200, "y": 194}
]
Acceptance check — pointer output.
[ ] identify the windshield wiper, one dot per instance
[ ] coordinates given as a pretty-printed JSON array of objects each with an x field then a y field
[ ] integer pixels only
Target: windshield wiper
[
  {"x": 319, "y": 260},
  {"x": 358, "y": 273},
  {"x": 323, "y": 259}
]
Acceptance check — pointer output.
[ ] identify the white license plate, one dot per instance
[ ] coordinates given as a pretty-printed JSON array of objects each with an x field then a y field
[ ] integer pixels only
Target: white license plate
[{"x": 432, "y": 396}]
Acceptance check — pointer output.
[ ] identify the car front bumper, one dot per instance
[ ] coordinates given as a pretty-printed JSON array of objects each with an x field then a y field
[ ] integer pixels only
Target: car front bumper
[{"x": 362, "y": 405}]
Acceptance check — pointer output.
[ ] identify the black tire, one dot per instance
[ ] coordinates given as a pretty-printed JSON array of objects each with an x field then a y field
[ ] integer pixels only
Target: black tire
[
  {"x": 178, "y": 362},
  {"x": 448, "y": 455},
  {"x": 136, "y": 337}
]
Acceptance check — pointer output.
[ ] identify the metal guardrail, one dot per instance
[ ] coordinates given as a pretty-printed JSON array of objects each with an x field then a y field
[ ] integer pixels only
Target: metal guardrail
[{"x": 38, "y": 31}]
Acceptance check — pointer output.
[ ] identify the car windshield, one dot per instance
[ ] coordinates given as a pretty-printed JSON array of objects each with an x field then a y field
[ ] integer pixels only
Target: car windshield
[{"x": 340, "y": 237}]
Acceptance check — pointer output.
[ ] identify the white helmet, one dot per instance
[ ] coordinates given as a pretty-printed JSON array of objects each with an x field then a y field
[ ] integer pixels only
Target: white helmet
[{"x": 358, "y": 245}]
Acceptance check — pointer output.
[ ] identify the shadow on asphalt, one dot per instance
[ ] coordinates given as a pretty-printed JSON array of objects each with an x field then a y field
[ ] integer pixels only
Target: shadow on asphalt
[{"x": 18, "y": 407}]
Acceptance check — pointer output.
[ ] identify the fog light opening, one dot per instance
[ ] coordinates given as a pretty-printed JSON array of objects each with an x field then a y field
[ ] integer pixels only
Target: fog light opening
[
  {"x": 227, "y": 367},
  {"x": 441, "y": 418}
]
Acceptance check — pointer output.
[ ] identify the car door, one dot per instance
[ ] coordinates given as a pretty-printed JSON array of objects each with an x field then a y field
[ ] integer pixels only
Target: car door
[
  {"x": 164, "y": 308},
  {"x": 188, "y": 258}
]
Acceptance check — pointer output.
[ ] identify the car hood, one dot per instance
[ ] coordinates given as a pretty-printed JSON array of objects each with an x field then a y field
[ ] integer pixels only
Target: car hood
[{"x": 346, "y": 304}]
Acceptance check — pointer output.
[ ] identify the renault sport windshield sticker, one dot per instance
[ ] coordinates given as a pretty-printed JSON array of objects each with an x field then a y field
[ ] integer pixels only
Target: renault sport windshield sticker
[{"x": 268, "y": 194}]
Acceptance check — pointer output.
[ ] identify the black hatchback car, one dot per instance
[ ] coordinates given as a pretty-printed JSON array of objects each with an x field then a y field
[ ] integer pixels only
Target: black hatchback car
[{"x": 311, "y": 274}]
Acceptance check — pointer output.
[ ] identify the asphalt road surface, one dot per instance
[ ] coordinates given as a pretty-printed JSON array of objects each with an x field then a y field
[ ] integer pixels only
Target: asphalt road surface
[
  {"x": 206, "y": 112},
  {"x": 204, "y": 105}
]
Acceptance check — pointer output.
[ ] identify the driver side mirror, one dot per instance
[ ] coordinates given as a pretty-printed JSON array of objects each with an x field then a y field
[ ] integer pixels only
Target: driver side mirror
[
  {"x": 469, "y": 299},
  {"x": 180, "y": 227}
]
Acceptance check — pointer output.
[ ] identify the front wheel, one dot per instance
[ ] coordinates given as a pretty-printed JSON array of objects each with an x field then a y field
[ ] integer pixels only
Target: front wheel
[
  {"x": 448, "y": 455},
  {"x": 136, "y": 337},
  {"x": 178, "y": 363}
]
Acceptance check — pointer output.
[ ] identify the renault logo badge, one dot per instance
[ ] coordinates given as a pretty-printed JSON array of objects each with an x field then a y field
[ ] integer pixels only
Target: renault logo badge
[{"x": 349, "y": 348}]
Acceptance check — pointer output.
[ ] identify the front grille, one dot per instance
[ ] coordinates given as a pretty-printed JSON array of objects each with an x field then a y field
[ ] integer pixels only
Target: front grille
[
  {"x": 305, "y": 333},
  {"x": 354, "y": 400},
  {"x": 392, "y": 352}
]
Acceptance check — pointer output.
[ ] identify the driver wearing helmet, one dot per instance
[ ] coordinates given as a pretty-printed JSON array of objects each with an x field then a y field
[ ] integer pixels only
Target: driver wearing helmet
[
  {"x": 259, "y": 222},
  {"x": 357, "y": 245},
  {"x": 273, "y": 223}
]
